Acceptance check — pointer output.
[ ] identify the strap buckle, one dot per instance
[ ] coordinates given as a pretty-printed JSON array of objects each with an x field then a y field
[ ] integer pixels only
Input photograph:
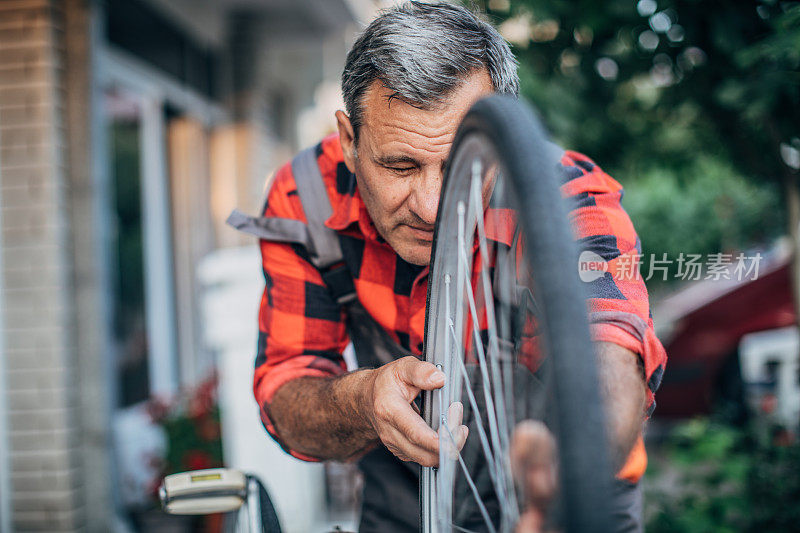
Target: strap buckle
[{"x": 340, "y": 283}]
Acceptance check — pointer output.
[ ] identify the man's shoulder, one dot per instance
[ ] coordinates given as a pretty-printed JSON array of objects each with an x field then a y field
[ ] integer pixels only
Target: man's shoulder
[
  {"x": 581, "y": 174},
  {"x": 282, "y": 198}
]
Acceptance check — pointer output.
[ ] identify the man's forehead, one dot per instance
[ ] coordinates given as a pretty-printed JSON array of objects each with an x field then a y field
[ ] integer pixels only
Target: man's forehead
[
  {"x": 478, "y": 82},
  {"x": 382, "y": 104},
  {"x": 387, "y": 117}
]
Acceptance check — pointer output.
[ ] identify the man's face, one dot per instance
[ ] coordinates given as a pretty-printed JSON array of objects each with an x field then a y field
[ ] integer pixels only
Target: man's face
[{"x": 400, "y": 160}]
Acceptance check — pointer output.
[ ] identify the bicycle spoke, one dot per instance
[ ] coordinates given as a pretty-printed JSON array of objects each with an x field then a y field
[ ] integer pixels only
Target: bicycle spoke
[
  {"x": 447, "y": 348},
  {"x": 468, "y": 478},
  {"x": 509, "y": 296},
  {"x": 461, "y": 279},
  {"x": 494, "y": 347},
  {"x": 458, "y": 360},
  {"x": 479, "y": 422},
  {"x": 462, "y": 529},
  {"x": 491, "y": 414}
]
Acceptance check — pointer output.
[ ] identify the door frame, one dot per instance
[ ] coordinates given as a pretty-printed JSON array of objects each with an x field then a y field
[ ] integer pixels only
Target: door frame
[
  {"x": 5, "y": 459},
  {"x": 151, "y": 90}
]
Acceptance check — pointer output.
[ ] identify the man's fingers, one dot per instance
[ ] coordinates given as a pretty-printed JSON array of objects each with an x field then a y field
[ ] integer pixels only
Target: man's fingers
[
  {"x": 532, "y": 444},
  {"x": 462, "y": 439},
  {"x": 530, "y": 521},
  {"x": 419, "y": 374},
  {"x": 414, "y": 428},
  {"x": 407, "y": 450},
  {"x": 454, "y": 441},
  {"x": 533, "y": 459},
  {"x": 456, "y": 438},
  {"x": 396, "y": 421},
  {"x": 455, "y": 414}
]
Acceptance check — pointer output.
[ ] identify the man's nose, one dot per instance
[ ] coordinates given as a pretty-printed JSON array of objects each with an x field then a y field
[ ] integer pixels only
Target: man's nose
[{"x": 424, "y": 200}]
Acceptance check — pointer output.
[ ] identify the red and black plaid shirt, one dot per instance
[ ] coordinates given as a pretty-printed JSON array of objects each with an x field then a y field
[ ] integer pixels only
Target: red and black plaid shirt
[{"x": 302, "y": 329}]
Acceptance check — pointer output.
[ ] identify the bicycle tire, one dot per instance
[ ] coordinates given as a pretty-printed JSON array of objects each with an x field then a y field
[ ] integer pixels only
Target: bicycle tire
[
  {"x": 269, "y": 517},
  {"x": 269, "y": 521},
  {"x": 523, "y": 151}
]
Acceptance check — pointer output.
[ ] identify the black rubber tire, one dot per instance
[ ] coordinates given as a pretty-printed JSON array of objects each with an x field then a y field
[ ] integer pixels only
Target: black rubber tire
[
  {"x": 522, "y": 145},
  {"x": 269, "y": 517}
]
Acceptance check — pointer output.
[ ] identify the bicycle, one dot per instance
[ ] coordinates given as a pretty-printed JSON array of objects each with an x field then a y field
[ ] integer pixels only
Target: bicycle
[
  {"x": 506, "y": 322},
  {"x": 241, "y": 496}
]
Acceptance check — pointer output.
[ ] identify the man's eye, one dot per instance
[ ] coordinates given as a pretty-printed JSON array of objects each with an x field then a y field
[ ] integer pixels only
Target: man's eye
[{"x": 401, "y": 170}]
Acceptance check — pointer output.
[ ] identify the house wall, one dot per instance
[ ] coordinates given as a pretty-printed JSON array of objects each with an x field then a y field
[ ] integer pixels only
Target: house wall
[
  {"x": 39, "y": 345},
  {"x": 57, "y": 384},
  {"x": 89, "y": 309},
  {"x": 5, "y": 479}
]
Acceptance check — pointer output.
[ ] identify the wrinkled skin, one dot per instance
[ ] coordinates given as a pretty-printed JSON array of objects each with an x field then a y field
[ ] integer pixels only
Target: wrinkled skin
[{"x": 399, "y": 161}]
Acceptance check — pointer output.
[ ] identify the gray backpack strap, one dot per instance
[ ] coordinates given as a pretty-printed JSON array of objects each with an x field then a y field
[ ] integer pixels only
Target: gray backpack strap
[
  {"x": 271, "y": 229},
  {"x": 321, "y": 242},
  {"x": 326, "y": 253},
  {"x": 554, "y": 151},
  {"x": 317, "y": 207}
]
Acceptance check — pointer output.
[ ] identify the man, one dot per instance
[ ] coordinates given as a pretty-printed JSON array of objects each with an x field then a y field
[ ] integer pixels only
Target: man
[{"x": 408, "y": 81}]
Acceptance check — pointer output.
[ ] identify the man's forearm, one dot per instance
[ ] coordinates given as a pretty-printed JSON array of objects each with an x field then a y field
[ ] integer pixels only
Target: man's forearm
[
  {"x": 331, "y": 418},
  {"x": 325, "y": 418},
  {"x": 343, "y": 417},
  {"x": 624, "y": 394}
]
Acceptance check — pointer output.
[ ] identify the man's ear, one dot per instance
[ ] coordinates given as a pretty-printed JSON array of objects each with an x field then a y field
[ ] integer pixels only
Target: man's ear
[{"x": 347, "y": 139}]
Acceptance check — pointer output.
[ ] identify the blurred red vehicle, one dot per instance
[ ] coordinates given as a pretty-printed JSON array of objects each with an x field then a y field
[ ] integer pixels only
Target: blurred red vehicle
[{"x": 702, "y": 326}]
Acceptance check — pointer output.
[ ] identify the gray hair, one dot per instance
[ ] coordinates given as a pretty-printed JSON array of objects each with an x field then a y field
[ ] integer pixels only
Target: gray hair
[{"x": 422, "y": 52}]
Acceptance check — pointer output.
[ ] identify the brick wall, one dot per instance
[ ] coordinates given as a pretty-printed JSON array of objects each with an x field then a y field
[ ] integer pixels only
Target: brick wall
[
  {"x": 89, "y": 304},
  {"x": 42, "y": 401}
]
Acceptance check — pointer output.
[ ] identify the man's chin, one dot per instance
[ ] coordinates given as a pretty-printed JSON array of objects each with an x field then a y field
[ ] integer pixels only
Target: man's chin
[{"x": 416, "y": 254}]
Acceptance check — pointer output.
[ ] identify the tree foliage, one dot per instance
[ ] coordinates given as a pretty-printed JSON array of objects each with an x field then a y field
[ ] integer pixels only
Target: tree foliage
[{"x": 668, "y": 90}]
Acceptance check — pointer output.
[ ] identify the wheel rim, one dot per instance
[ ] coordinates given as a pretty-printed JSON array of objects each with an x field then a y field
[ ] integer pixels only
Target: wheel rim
[
  {"x": 489, "y": 347},
  {"x": 459, "y": 289}
]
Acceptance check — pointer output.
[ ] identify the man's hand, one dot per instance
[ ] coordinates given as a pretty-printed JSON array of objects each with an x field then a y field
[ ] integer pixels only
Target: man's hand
[
  {"x": 534, "y": 463},
  {"x": 342, "y": 418},
  {"x": 533, "y": 447},
  {"x": 394, "y": 417}
]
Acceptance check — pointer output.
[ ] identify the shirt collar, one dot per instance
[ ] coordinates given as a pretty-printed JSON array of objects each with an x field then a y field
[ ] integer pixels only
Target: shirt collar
[{"x": 348, "y": 207}]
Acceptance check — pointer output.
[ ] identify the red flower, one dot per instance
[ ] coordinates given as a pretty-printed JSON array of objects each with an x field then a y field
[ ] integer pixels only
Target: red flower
[
  {"x": 204, "y": 398},
  {"x": 158, "y": 408},
  {"x": 197, "y": 460},
  {"x": 208, "y": 429}
]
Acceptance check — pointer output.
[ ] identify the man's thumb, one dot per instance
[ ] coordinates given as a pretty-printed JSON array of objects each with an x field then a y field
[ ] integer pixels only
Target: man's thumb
[{"x": 421, "y": 374}]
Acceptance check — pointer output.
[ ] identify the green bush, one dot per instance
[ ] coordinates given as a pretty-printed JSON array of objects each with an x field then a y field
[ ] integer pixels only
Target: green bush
[{"x": 712, "y": 477}]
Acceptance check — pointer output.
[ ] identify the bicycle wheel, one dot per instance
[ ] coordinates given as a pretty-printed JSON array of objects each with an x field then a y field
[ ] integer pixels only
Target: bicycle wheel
[{"x": 506, "y": 321}]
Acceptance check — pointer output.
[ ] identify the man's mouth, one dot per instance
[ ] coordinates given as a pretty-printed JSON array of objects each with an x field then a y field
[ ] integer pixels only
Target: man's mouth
[{"x": 421, "y": 234}]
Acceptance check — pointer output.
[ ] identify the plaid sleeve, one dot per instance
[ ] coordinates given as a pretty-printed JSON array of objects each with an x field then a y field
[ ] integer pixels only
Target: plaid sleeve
[
  {"x": 301, "y": 328},
  {"x": 619, "y": 308}
]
